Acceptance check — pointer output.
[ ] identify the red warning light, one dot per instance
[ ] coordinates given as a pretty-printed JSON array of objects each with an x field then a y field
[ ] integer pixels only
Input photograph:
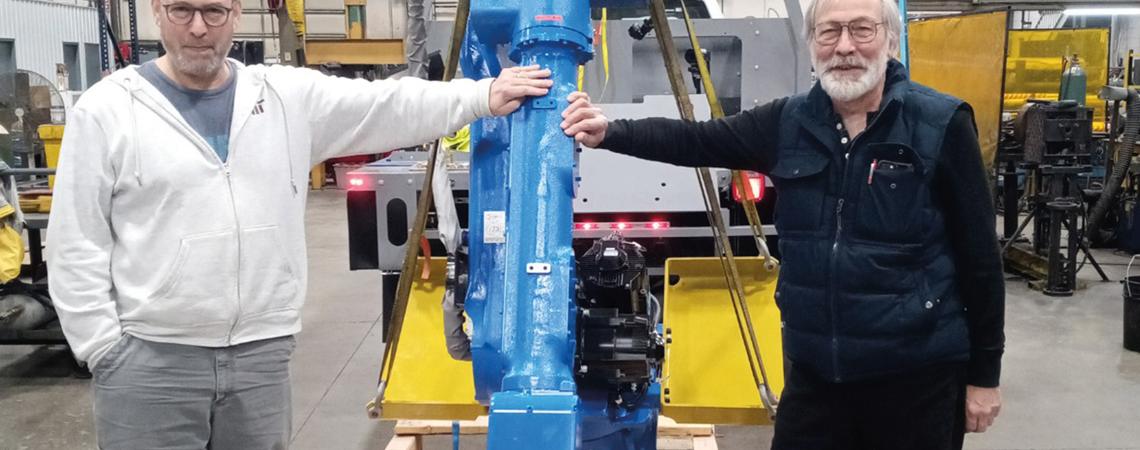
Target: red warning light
[{"x": 755, "y": 183}]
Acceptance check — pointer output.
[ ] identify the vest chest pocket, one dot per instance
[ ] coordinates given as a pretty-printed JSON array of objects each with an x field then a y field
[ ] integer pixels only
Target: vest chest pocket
[
  {"x": 801, "y": 181},
  {"x": 892, "y": 195}
]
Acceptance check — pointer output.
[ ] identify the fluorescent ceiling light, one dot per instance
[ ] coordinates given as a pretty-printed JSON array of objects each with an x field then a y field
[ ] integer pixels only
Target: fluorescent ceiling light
[
  {"x": 1102, "y": 11},
  {"x": 932, "y": 13}
]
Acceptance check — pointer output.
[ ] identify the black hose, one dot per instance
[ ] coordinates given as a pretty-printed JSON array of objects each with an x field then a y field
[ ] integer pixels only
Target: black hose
[{"x": 1123, "y": 161}]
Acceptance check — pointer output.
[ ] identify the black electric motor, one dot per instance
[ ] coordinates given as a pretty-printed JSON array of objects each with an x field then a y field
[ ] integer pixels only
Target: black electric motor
[{"x": 618, "y": 343}]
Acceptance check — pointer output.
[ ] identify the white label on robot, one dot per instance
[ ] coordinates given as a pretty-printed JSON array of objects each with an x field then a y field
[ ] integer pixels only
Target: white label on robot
[{"x": 494, "y": 227}]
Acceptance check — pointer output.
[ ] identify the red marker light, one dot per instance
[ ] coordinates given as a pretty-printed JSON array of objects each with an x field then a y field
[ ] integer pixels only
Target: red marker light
[
  {"x": 356, "y": 182},
  {"x": 757, "y": 187},
  {"x": 755, "y": 183},
  {"x": 624, "y": 226}
]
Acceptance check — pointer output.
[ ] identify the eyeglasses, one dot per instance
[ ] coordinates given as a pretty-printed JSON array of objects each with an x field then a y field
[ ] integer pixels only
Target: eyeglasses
[
  {"x": 183, "y": 14},
  {"x": 861, "y": 31}
]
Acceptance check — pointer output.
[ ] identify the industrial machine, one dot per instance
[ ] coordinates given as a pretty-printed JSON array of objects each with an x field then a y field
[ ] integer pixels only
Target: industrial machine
[
  {"x": 525, "y": 323},
  {"x": 1046, "y": 159},
  {"x": 1054, "y": 153},
  {"x": 1116, "y": 202},
  {"x": 559, "y": 267},
  {"x": 1051, "y": 144}
]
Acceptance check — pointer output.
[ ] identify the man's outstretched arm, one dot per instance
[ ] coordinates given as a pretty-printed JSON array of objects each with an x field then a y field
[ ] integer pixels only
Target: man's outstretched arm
[{"x": 745, "y": 141}]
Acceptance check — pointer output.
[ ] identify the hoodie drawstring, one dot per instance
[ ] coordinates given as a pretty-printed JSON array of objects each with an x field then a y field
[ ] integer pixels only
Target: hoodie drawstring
[
  {"x": 132, "y": 88},
  {"x": 288, "y": 140},
  {"x": 135, "y": 141}
]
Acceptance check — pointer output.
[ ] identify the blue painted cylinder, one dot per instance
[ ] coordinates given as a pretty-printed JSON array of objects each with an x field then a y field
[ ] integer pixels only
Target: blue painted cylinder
[
  {"x": 537, "y": 328},
  {"x": 540, "y": 258},
  {"x": 521, "y": 296}
]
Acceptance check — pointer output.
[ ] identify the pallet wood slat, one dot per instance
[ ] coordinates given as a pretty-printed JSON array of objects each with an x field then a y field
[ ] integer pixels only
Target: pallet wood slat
[
  {"x": 405, "y": 443},
  {"x": 671, "y": 435}
]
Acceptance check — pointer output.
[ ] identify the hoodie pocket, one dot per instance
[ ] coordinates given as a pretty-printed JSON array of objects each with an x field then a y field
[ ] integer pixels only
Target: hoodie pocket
[
  {"x": 199, "y": 286},
  {"x": 269, "y": 281}
]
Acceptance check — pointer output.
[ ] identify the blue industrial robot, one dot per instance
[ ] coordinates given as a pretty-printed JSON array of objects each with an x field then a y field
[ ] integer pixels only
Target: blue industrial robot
[{"x": 566, "y": 348}]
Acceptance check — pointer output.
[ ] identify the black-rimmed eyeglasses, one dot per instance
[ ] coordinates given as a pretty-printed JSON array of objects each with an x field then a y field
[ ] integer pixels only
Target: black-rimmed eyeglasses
[{"x": 183, "y": 14}]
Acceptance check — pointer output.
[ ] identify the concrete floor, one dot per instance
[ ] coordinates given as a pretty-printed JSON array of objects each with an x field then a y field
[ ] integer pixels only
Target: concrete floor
[{"x": 1067, "y": 382}]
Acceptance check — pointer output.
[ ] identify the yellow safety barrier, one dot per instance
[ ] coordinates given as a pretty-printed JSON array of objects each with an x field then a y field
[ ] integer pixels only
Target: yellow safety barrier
[
  {"x": 706, "y": 377},
  {"x": 427, "y": 383}
]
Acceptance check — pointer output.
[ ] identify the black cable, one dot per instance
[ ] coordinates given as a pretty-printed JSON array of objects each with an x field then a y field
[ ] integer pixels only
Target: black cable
[
  {"x": 119, "y": 63},
  {"x": 1120, "y": 169}
]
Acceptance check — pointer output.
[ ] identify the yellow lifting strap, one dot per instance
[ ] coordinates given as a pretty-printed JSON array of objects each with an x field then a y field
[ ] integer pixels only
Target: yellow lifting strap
[
  {"x": 603, "y": 26},
  {"x": 716, "y": 221},
  {"x": 412, "y": 254},
  {"x": 738, "y": 178}
]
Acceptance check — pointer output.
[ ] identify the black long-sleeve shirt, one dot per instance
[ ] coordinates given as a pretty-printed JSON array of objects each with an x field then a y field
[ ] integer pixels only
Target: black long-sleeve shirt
[{"x": 747, "y": 141}]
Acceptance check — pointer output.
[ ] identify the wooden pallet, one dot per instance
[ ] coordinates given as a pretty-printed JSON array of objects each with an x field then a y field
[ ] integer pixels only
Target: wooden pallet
[{"x": 670, "y": 434}]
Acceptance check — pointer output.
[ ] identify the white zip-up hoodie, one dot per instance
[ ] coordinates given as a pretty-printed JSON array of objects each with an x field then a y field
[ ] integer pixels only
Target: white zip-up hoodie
[{"x": 153, "y": 235}]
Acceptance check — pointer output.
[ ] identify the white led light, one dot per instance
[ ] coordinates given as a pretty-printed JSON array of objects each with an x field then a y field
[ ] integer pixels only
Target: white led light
[{"x": 1102, "y": 11}]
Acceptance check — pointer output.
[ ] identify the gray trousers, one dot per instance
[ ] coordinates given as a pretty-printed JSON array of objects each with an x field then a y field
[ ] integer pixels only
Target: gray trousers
[{"x": 150, "y": 395}]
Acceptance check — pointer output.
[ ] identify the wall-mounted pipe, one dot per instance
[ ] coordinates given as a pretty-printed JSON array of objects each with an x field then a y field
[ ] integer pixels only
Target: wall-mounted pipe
[{"x": 1123, "y": 162}]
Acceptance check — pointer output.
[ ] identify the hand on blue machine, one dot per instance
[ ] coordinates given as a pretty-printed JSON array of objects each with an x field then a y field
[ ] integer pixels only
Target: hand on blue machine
[
  {"x": 515, "y": 84},
  {"x": 583, "y": 121}
]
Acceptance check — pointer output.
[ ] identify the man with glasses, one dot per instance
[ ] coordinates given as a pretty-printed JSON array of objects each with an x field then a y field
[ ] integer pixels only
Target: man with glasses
[
  {"x": 177, "y": 252},
  {"x": 891, "y": 289}
]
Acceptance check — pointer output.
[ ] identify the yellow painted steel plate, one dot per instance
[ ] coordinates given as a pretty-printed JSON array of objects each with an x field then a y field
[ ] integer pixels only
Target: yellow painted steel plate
[
  {"x": 426, "y": 383},
  {"x": 706, "y": 371}
]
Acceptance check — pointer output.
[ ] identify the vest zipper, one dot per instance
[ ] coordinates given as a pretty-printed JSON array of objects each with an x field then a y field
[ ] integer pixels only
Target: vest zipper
[
  {"x": 831, "y": 292},
  {"x": 838, "y": 377}
]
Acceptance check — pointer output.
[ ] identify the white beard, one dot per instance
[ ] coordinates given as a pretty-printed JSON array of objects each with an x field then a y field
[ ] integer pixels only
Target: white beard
[{"x": 843, "y": 89}]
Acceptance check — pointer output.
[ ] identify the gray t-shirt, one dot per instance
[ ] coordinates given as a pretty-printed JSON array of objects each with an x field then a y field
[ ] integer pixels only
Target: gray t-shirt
[{"x": 209, "y": 112}]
